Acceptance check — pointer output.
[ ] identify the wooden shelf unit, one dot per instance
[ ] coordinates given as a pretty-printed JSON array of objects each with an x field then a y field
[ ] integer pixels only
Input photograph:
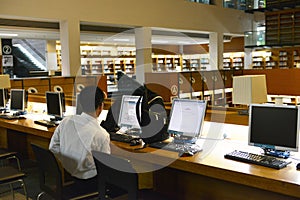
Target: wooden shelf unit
[
  {"x": 285, "y": 57},
  {"x": 166, "y": 63},
  {"x": 233, "y": 60},
  {"x": 283, "y": 27}
]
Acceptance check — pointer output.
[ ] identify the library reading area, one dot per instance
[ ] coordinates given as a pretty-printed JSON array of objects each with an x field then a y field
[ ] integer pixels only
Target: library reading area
[{"x": 201, "y": 99}]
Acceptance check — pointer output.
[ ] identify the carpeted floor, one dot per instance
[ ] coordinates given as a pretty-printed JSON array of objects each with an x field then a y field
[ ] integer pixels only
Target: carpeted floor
[
  {"x": 8, "y": 196},
  {"x": 31, "y": 182}
]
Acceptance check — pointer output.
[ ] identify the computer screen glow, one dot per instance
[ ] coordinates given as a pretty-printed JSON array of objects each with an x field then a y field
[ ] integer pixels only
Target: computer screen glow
[
  {"x": 127, "y": 116},
  {"x": 186, "y": 117}
]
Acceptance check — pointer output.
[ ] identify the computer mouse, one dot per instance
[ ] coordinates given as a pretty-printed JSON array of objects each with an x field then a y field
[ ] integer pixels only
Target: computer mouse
[
  {"x": 298, "y": 166},
  {"x": 134, "y": 142},
  {"x": 185, "y": 154}
]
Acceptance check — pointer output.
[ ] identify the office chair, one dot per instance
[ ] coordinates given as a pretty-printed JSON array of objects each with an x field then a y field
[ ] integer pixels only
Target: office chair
[
  {"x": 51, "y": 178},
  {"x": 10, "y": 174},
  {"x": 127, "y": 179}
]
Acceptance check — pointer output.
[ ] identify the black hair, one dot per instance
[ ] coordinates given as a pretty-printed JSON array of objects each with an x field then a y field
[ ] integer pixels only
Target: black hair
[{"x": 90, "y": 98}]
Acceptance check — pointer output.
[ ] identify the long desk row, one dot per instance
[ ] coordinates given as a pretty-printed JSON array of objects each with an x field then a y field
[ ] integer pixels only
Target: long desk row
[{"x": 206, "y": 175}]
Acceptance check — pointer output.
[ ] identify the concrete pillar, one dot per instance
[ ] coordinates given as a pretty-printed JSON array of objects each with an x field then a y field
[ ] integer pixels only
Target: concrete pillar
[
  {"x": 248, "y": 59},
  {"x": 70, "y": 47},
  {"x": 143, "y": 45},
  {"x": 216, "y": 48},
  {"x": 218, "y": 3},
  {"x": 51, "y": 57}
]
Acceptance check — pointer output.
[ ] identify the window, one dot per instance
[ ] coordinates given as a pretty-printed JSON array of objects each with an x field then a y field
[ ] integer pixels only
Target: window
[{"x": 201, "y": 1}]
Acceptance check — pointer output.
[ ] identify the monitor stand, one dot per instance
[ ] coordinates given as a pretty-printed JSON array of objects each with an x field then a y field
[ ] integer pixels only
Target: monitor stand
[
  {"x": 276, "y": 153},
  {"x": 56, "y": 119},
  {"x": 185, "y": 139}
]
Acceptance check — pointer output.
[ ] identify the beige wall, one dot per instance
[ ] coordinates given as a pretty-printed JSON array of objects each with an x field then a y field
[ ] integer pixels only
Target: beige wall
[{"x": 179, "y": 14}]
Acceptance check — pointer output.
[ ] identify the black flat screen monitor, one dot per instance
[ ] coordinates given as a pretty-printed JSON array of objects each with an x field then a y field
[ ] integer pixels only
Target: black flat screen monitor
[
  {"x": 63, "y": 101},
  {"x": 127, "y": 116},
  {"x": 54, "y": 105},
  {"x": 78, "y": 105},
  {"x": 186, "y": 118},
  {"x": 274, "y": 127},
  {"x": 2, "y": 99},
  {"x": 17, "y": 99}
]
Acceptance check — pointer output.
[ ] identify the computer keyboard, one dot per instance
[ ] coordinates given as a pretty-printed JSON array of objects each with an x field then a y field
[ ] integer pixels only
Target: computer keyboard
[
  {"x": 171, "y": 146},
  {"x": 12, "y": 117},
  {"x": 121, "y": 137},
  {"x": 45, "y": 123},
  {"x": 263, "y": 160}
]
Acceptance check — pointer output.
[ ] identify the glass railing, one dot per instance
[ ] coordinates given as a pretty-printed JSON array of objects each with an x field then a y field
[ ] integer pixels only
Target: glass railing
[{"x": 254, "y": 38}]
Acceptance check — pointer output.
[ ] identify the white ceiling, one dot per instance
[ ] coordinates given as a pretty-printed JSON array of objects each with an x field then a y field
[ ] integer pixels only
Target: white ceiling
[{"x": 125, "y": 38}]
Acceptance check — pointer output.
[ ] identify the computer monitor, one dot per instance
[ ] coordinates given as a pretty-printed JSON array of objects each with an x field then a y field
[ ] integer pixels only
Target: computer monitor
[
  {"x": 2, "y": 99},
  {"x": 63, "y": 101},
  {"x": 127, "y": 116},
  {"x": 186, "y": 119},
  {"x": 275, "y": 128},
  {"x": 78, "y": 105},
  {"x": 17, "y": 99},
  {"x": 54, "y": 105}
]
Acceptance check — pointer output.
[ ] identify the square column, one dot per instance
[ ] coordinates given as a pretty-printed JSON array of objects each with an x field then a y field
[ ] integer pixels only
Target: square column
[
  {"x": 143, "y": 45},
  {"x": 51, "y": 57},
  {"x": 70, "y": 47},
  {"x": 216, "y": 48}
]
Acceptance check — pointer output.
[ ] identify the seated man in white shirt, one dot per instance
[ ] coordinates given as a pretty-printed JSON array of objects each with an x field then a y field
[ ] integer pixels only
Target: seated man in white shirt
[{"x": 77, "y": 135}]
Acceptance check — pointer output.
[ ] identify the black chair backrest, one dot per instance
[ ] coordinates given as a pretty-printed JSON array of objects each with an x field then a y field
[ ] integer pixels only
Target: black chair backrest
[
  {"x": 116, "y": 171},
  {"x": 50, "y": 175}
]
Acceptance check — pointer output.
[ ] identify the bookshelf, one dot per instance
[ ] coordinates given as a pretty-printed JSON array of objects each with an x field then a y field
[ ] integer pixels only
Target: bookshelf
[
  {"x": 283, "y": 27},
  {"x": 283, "y": 59},
  {"x": 233, "y": 60}
]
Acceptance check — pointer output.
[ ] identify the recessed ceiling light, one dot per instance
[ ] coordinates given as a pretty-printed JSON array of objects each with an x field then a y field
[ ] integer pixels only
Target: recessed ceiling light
[
  {"x": 121, "y": 39},
  {"x": 160, "y": 41},
  {"x": 9, "y": 34},
  {"x": 184, "y": 42}
]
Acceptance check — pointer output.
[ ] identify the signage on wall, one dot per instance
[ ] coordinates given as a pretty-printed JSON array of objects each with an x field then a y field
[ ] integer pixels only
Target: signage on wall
[
  {"x": 7, "y": 57},
  {"x": 174, "y": 90}
]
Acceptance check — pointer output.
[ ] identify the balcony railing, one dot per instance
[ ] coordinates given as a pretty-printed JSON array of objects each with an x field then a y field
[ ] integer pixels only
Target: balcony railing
[{"x": 254, "y": 38}]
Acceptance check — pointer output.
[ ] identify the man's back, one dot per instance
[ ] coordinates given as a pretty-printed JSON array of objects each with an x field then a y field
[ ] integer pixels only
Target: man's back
[{"x": 73, "y": 141}]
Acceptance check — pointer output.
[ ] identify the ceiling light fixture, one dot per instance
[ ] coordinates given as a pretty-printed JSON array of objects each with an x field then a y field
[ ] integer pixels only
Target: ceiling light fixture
[
  {"x": 160, "y": 41},
  {"x": 121, "y": 39},
  {"x": 9, "y": 34}
]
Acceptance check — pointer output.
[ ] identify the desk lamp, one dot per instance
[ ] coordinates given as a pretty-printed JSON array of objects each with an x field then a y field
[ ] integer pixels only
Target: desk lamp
[
  {"x": 249, "y": 89},
  {"x": 4, "y": 83}
]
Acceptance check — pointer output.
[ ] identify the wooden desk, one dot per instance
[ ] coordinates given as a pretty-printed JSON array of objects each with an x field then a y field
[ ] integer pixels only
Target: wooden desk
[
  {"x": 17, "y": 135},
  {"x": 207, "y": 175}
]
